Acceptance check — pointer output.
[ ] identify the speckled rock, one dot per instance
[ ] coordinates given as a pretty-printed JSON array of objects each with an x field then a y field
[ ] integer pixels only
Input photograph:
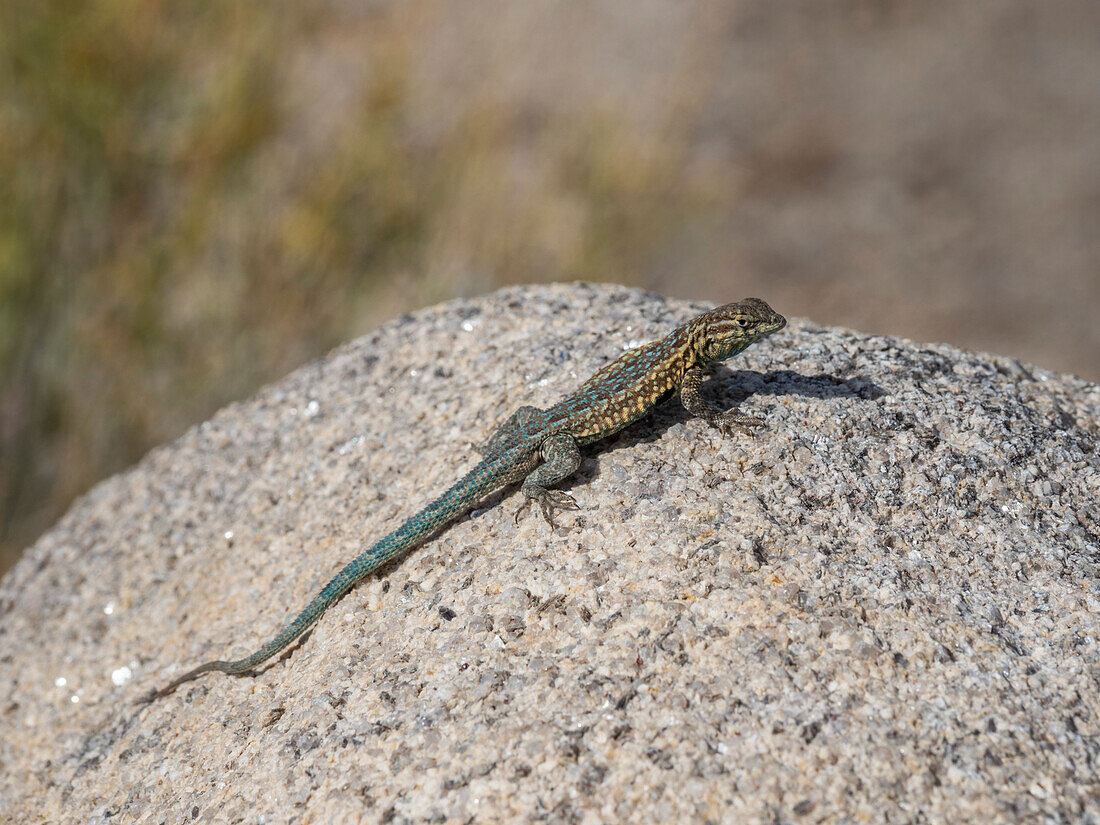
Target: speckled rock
[{"x": 884, "y": 608}]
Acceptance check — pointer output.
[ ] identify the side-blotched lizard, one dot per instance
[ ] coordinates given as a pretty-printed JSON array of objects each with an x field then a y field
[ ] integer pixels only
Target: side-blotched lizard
[{"x": 541, "y": 447}]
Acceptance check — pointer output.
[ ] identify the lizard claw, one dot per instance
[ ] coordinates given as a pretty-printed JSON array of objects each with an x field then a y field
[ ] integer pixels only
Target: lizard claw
[{"x": 521, "y": 509}]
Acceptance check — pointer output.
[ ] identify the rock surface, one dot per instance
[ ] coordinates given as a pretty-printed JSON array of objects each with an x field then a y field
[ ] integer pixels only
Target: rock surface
[{"x": 882, "y": 608}]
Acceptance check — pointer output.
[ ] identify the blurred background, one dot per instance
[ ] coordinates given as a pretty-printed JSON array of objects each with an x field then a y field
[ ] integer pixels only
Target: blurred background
[{"x": 195, "y": 198}]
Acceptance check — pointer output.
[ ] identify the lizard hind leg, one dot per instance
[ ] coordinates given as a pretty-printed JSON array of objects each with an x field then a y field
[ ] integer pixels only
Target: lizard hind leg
[{"x": 561, "y": 458}]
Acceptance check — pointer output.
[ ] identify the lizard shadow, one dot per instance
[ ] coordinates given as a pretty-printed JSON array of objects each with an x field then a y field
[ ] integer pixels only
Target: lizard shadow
[{"x": 727, "y": 388}]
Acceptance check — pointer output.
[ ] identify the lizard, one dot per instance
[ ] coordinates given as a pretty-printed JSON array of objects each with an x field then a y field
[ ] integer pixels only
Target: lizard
[{"x": 541, "y": 447}]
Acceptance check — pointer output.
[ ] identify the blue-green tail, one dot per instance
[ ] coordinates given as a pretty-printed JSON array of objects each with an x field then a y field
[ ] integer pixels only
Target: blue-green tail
[{"x": 484, "y": 478}]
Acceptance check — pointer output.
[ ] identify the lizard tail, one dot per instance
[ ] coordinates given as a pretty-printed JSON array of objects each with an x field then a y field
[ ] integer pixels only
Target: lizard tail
[{"x": 482, "y": 479}]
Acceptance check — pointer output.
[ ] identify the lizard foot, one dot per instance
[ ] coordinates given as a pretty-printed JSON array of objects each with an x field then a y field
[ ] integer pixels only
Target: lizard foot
[
  {"x": 548, "y": 500},
  {"x": 732, "y": 420}
]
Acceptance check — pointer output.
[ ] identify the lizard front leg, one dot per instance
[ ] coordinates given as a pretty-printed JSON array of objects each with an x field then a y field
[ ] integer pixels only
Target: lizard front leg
[
  {"x": 561, "y": 458},
  {"x": 694, "y": 403}
]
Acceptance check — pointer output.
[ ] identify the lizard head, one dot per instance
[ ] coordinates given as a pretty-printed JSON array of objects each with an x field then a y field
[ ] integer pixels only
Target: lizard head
[{"x": 726, "y": 330}]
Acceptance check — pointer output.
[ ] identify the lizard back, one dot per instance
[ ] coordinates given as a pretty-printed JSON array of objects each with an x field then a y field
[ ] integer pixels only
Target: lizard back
[{"x": 626, "y": 389}]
